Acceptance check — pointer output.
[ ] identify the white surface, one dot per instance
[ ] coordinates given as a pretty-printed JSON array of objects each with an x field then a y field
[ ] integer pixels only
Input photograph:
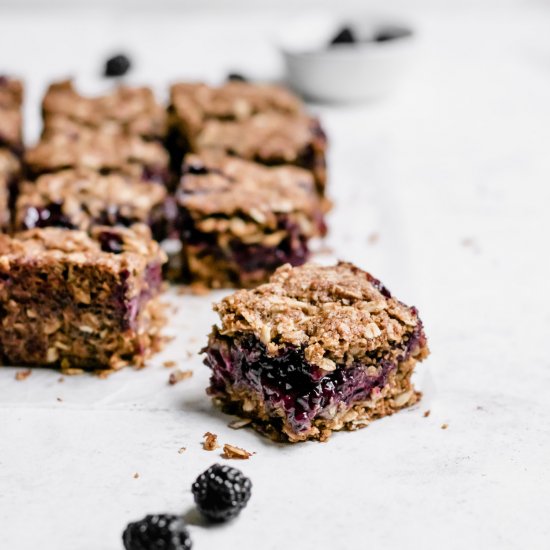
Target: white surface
[{"x": 453, "y": 175}]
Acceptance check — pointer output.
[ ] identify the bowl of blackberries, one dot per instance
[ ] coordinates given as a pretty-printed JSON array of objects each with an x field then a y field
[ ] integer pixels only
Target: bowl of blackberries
[{"x": 341, "y": 60}]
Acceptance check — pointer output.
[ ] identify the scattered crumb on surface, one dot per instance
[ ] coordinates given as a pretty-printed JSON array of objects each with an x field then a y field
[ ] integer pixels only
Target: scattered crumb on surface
[
  {"x": 324, "y": 249},
  {"x": 59, "y": 399},
  {"x": 22, "y": 374},
  {"x": 105, "y": 373},
  {"x": 240, "y": 423},
  {"x": 480, "y": 408},
  {"x": 470, "y": 242},
  {"x": 136, "y": 475},
  {"x": 373, "y": 238},
  {"x": 181, "y": 450},
  {"x": 230, "y": 451},
  {"x": 169, "y": 364},
  {"x": 61, "y": 379},
  {"x": 427, "y": 413},
  {"x": 210, "y": 442},
  {"x": 189, "y": 354},
  {"x": 444, "y": 426},
  {"x": 195, "y": 289},
  {"x": 72, "y": 371},
  {"x": 179, "y": 375}
]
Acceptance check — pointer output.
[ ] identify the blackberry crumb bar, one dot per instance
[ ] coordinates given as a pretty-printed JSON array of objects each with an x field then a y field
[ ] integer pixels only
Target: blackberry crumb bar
[
  {"x": 11, "y": 99},
  {"x": 130, "y": 110},
  {"x": 263, "y": 123},
  {"x": 240, "y": 220},
  {"x": 81, "y": 199},
  {"x": 317, "y": 349},
  {"x": 78, "y": 301},
  {"x": 100, "y": 151}
]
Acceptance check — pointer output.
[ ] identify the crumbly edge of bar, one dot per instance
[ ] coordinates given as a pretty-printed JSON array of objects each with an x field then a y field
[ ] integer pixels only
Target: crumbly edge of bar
[
  {"x": 397, "y": 394},
  {"x": 339, "y": 314}
]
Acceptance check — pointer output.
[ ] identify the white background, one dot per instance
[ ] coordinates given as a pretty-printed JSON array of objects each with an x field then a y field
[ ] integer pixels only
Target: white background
[{"x": 452, "y": 174}]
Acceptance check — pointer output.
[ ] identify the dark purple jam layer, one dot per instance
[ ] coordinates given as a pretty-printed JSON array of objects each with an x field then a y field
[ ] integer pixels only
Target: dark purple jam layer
[
  {"x": 289, "y": 383},
  {"x": 247, "y": 258}
]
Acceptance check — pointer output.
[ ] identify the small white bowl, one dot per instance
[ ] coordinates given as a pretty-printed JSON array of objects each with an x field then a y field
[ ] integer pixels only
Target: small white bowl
[{"x": 363, "y": 70}]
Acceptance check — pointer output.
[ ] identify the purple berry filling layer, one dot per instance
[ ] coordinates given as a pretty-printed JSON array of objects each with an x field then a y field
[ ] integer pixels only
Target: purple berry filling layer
[
  {"x": 289, "y": 384},
  {"x": 247, "y": 258},
  {"x": 51, "y": 215}
]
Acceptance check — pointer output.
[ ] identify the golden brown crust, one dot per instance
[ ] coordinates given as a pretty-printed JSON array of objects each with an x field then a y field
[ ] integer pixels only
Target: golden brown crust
[
  {"x": 265, "y": 137},
  {"x": 85, "y": 196},
  {"x": 235, "y": 187},
  {"x": 97, "y": 151},
  {"x": 133, "y": 110},
  {"x": 51, "y": 244},
  {"x": 338, "y": 314},
  {"x": 194, "y": 103}
]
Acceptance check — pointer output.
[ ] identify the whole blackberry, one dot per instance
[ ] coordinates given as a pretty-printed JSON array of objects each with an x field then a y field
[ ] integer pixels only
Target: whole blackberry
[
  {"x": 221, "y": 492},
  {"x": 159, "y": 532},
  {"x": 118, "y": 65}
]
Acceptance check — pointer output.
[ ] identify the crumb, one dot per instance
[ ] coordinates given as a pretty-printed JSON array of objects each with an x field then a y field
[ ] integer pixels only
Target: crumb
[
  {"x": 22, "y": 374},
  {"x": 373, "y": 238},
  {"x": 189, "y": 354},
  {"x": 469, "y": 242},
  {"x": 240, "y": 423},
  {"x": 104, "y": 373},
  {"x": 198, "y": 289},
  {"x": 444, "y": 426},
  {"x": 179, "y": 375},
  {"x": 479, "y": 408},
  {"x": 230, "y": 451},
  {"x": 59, "y": 399},
  {"x": 72, "y": 372},
  {"x": 181, "y": 450},
  {"x": 427, "y": 413},
  {"x": 136, "y": 475},
  {"x": 210, "y": 442},
  {"x": 169, "y": 364},
  {"x": 324, "y": 249},
  {"x": 61, "y": 379}
]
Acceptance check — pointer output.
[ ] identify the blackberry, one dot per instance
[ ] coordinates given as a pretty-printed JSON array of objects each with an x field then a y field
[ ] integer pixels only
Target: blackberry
[
  {"x": 159, "y": 532},
  {"x": 344, "y": 36},
  {"x": 237, "y": 77},
  {"x": 221, "y": 492},
  {"x": 117, "y": 66}
]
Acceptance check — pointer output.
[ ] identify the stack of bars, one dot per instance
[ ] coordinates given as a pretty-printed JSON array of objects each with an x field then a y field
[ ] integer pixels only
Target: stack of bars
[
  {"x": 252, "y": 187},
  {"x": 80, "y": 274},
  {"x": 235, "y": 173}
]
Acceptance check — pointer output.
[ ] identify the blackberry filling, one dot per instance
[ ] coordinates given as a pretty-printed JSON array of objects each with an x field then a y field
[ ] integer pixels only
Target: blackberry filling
[
  {"x": 290, "y": 384},
  {"x": 248, "y": 258},
  {"x": 46, "y": 216}
]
